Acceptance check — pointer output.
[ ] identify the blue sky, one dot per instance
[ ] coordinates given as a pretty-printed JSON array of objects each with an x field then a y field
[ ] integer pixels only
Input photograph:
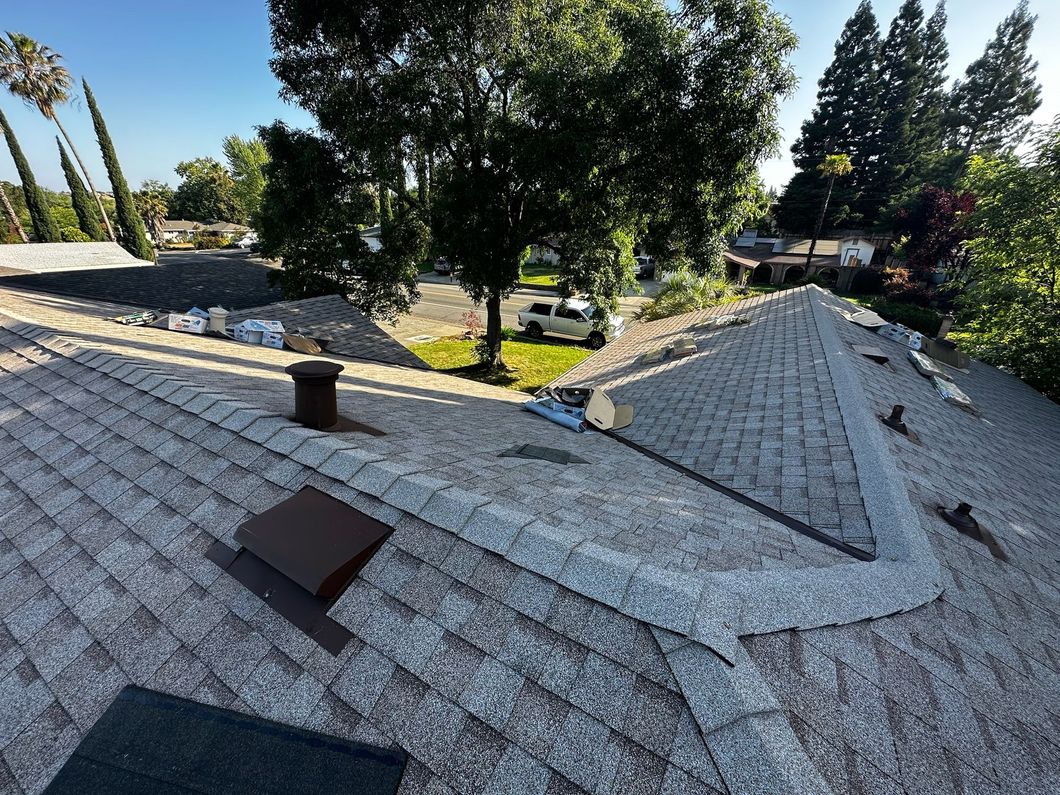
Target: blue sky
[{"x": 173, "y": 79}]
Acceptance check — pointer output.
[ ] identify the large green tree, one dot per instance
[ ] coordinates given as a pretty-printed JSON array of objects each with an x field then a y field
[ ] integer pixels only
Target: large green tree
[
  {"x": 931, "y": 101},
  {"x": 901, "y": 80},
  {"x": 246, "y": 163},
  {"x": 33, "y": 73},
  {"x": 844, "y": 120},
  {"x": 1011, "y": 297},
  {"x": 990, "y": 107},
  {"x": 206, "y": 192},
  {"x": 314, "y": 202},
  {"x": 87, "y": 218},
  {"x": 44, "y": 227},
  {"x": 588, "y": 123},
  {"x": 133, "y": 238}
]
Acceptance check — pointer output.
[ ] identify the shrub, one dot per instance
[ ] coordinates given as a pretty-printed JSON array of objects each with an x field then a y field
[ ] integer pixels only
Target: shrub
[
  {"x": 509, "y": 333},
  {"x": 918, "y": 318},
  {"x": 899, "y": 284},
  {"x": 202, "y": 241},
  {"x": 71, "y": 234},
  {"x": 683, "y": 291},
  {"x": 867, "y": 282}
]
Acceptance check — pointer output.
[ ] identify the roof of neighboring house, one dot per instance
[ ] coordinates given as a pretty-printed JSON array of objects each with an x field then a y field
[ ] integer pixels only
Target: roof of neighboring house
[
  {"x": 66, "y": 258},
  {"x": 329, "y": 316},
  {"x": 180, "y": 226},
  {"x": 224, "y": 226},
  {"x": 178, "y": 282},
  {"x": 765, "y": 253},
  {"x": 620, "y": 625}
]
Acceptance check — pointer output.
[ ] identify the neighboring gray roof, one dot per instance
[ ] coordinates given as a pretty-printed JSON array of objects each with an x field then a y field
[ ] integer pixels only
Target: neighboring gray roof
[
  {"x": 330, "y": 316},
  {"x": 62, "y": 257},
  {"x": 527, "y": 628},
  {"x": 178, "y": 225},
  {"x": 224, "y": 226}
]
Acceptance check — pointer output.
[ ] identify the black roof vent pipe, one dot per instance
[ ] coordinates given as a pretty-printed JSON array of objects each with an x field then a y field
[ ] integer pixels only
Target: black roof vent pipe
[{"x": 894, "y": 421}]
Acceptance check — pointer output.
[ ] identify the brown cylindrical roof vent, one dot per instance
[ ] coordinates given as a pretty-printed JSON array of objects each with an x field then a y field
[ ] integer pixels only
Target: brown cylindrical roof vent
[
  {"x": 315, "y": 405},
  {"x": 894, "y": 421}
]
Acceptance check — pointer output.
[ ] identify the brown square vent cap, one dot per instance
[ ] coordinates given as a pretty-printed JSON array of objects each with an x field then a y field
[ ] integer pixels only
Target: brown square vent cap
[{"x": 314, "y": 539}]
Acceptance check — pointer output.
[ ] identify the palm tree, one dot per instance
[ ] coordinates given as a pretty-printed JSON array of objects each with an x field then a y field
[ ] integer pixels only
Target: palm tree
[
  {"x": 832, "y": 166},
  {"x": 152, "y": 208},
  {"x": 32, "y": 72},
  {"x": 684, "y": 291}
]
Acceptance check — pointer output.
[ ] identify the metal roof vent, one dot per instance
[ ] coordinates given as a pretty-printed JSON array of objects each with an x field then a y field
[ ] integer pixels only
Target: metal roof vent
[
  {"x": 301, "y": 555},
  {"x": 315, "y": 405},
  {"x": 966, "y": 524},
  {"x": 894, "y": 420}
]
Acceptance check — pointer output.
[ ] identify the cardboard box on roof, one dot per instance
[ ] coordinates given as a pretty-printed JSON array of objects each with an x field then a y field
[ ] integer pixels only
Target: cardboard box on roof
[
  {"x": 272, "y": 339},
  {"x": 187, "y": 323},
  {"x": 253, "y": 330}
]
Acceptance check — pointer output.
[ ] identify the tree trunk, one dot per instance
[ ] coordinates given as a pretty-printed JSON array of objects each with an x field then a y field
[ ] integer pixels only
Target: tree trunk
[
  {"x": 12, "y": 217},
  {"x": 820, "y": 223},
  {"x": 493, "y": 332},
  {"x": 88, "y": 178}
]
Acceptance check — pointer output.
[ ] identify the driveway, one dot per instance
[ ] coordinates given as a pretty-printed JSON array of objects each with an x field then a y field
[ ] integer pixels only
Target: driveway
[{"x": 182, "y": 279}]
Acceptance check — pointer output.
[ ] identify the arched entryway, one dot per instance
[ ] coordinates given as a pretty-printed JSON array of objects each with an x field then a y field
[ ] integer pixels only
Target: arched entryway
[
  {"x": 763, "y": 274},
  {"x": 830, "y": 276},
  {"x": 793, "y": 274}
]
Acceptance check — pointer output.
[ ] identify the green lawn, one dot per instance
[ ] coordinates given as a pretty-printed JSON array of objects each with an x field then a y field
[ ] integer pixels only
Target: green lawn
[
  {"x": 532, "y": 364},
  {"x": 539, "y": 273}
]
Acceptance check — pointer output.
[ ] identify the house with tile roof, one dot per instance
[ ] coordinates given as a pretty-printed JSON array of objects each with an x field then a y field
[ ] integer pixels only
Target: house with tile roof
[{"x": 750, "y": 589}]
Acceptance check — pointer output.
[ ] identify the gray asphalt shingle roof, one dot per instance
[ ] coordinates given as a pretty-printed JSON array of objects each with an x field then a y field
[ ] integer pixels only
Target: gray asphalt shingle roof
[
  {"x": 529, "y": 628},
  {"x": 350, "y": 332}
]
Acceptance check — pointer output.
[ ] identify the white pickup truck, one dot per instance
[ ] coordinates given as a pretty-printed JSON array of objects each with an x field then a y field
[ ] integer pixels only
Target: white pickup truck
[{"x": 569, "y": 318}]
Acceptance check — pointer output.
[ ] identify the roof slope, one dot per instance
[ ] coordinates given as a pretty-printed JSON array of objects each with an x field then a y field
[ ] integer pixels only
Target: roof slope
[
  {"x": 530, "y": 627},
  {"x": 963, "y": 694},
  {"x": 350, "y": 332},
  {"x": 754, "y": 409},
  {"x": 487, "y": 674}
]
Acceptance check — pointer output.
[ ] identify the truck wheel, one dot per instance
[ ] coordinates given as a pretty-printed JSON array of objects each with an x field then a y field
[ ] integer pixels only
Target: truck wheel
[
  {"x": 533, "y": 330},
  {"x": 596, "y": 340}
]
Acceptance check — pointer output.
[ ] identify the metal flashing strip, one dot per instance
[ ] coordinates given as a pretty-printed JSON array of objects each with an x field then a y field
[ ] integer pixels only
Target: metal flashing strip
[{"x": 753, "y": 504}]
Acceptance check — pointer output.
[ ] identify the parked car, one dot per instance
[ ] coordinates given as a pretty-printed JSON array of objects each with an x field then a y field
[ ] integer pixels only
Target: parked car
[
  {"x": 644, "y": 267},
  {"x": 248, "y": 241},
  {"x": 569, "y": 318},
  {"x": 443, "y": 267}
]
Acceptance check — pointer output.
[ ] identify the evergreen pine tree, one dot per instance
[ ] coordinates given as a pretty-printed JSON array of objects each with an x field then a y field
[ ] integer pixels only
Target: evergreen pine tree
[
  {"x": 44, "y": 227},
  {"x": 133, "y": 237},
  {"x": 931, "y": 104},
  {"x": 84, "y": 206},
  {"x": 989, "y": 109},
  {"x": 843, "y": 121},
  {"x": 901, "y": 79}
]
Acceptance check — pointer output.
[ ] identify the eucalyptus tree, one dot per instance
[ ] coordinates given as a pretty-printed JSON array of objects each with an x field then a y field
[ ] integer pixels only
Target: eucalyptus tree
[
  {"x": 32, "y": 72},
  {"x": 590, "y": 124}
]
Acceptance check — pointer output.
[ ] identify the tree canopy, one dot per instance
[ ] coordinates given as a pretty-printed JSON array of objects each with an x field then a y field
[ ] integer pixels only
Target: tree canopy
[
  {"x": 246, "y": 163},
  {"x": 1011, "y": 298},
  {"x": 590, "y": 125},
  {"x": 207, "y": 192}
]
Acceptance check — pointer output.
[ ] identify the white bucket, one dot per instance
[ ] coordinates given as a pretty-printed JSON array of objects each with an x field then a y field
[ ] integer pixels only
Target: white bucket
[{"x": 217, "y": 318}]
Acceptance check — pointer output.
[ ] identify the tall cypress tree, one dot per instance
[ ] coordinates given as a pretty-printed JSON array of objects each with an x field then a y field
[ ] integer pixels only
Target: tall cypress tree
[
  {"x": 842, "y": 122},
  {"x": 989, "y": 108},
  {"x": 931, "y": 104},
  {"x": 44, "y": 227},
  {"x": 133, "y": 237},
  {"x": 901, "y": 79},
  {"x": 84, "y": 206}
]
